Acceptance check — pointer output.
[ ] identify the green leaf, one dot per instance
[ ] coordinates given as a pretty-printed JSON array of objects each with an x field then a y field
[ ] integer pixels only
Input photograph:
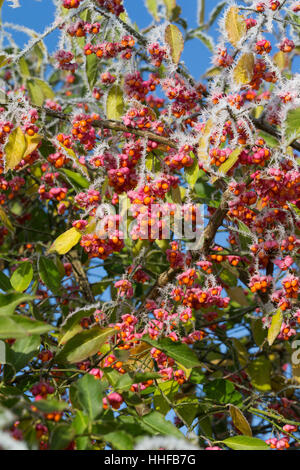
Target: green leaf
[
  {"x": 275, "y": 327},
  {"x": 22, "y": 276},
  {"x": 144, "y": 376},
  {"x": 152, "y": 7},
  {"x": 119, "y": 440},
  {"x": 237, "y": 295},
  {"x": 6, "y": 220},
  {"x": 178, "y": 351},
  {"x": 72, "y": 323},
  {"x": 89, "y": 393},
  {"x": 115, "y": 103},
  {"x": 293, "y": 124},
  {"x": 188, "y": 408},
  {"x": 175, "y": 41},
  {"x": 245, "y": 443},
  {"x": 84, "y": 344},
  {"x": 222, "y": 391},
  {"x": 259, "y": 371},
  {"x": 230, "y": 162},
  {"x": 17, "y": 326},
  {"x": 61, "y": 436},
  {"x": 215, "y": 13},
  {"x": 39, "y": 91},
  {"x": 197, "y": 376},
  {"x": 70, "y": 333},
  {"x": 4, "y": 282},
  {"x": 206, "y": 39},
  {"x": 173, "y": 10},
  {"x": 228, "y": 277},
  {"x": 124, "y": 383},
  {"x": 244, "y": 239},
  {"x": 164, "y": 389},
  {"x": 92, "y": 62},
  {"x": 76, "y": 178},
  {"x": 271, "y": 141},
  {"x": 24, "y": 68},
  {"x": 48, "y": 406},
  {"x": 159, "y": 425},
  {"x": 22, "y": 351},
  {"x": 258, "y": 331},
  {"x": 65, "y": 242},
  {"x": 9, "y": 302},
  {"x": 3, "y": 60},
  {"x": 201, "y": 12},
  {"x": 192, "y": 173},
  {"x": 49, "y": 274},
  {"x": 80, "y": 424}
]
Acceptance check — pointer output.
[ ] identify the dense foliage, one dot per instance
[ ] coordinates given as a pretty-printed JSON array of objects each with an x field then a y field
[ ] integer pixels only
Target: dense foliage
[{"x": 115, "y": 340}]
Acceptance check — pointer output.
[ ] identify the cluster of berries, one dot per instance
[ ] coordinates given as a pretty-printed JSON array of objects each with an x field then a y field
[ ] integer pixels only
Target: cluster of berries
[{"x": 110, "y": 50}]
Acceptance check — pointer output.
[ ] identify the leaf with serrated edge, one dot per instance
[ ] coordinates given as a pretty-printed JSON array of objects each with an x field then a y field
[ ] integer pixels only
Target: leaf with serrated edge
[
  {"x": 84, "y": 344},
  {"x": 235, "y": 26},
  {"x": 240, "y": 421},
  {"x": 6, "y": 220},
  {"x": 244, "y": 69},
  {"x": 115, "y": 103},
  {"x": 175, "y": 41},
  {"x": 275, "y": 327},
  {"x": 14, "y": 149},
  {"x": 65, "y": 242},
  {"x": 245, "y": 443}
]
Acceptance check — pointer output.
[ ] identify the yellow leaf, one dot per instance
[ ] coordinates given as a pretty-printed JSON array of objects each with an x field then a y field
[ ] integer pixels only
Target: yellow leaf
[
  {"x": 230, "y": 162},
  {"x": 296, "y": 373},
  {"x": 115, "y": 103},
  {"x": 175, "y": 41},
  {"x": 237, "y": 294},
  {"x": 258, "y": 111},
  {"x": 176, "y": 195},
  {"x": 32, "y": 141},
  {"x": 233, "y": 158},
  {"x": 240, "y": 421},
  {"x": 153, "y": 8},
  {"x": 186, "y": 371},
  {"x": 65, "y": 242},
  {"x": 14, "y": 149},
  {"x": 18, "y": 147},
  {"x": 3, "y": 60},
  {"x": 204, "y": 141},
  {"x": 235, "y": 26},
  {"x": 282, "y": 60},
  {"x": 212, "y": 72},
  {"x": 243, "y": 72},
  {"x": 275, "y": 327},
  {"x": 6, "y": 220}
]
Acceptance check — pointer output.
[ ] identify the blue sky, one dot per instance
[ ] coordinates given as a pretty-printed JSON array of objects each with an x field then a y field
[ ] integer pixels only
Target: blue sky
[{"x": 38, "y": 14}]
